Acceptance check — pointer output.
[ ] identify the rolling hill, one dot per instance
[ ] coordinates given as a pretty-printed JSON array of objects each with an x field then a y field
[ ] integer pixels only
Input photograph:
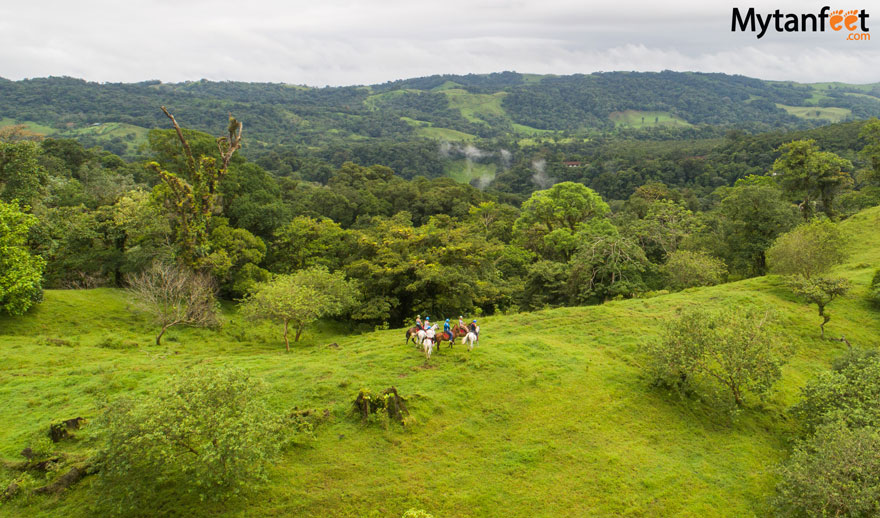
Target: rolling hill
[
  {"x": 448, "y": 107},
  {"x": 551, "y": 415}
]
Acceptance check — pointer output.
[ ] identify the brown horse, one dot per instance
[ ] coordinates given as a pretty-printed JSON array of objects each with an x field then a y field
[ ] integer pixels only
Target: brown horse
[
  {"x": 445, "y": 336},
  {"x": 413, "y": 334},
  {"x": 459, "y": 330}
]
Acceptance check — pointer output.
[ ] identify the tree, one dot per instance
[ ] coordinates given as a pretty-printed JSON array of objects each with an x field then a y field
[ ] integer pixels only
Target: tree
[
  {"x": 191, "y": 194},
  {"x": 809, "y": 250},
  {"x": 564, "y": 206},
  {"x": 300, "y": 299},
  {"x": 871, "y": 152},
  {"x": 733, "y": 349},
  {"x": 21, "y": 272},
  {"x": 21, "y": 176},
  {"x": 665, "y": 225},
  {"x": 205, "y": 434},
  {"x": 606, "y": 265},
  {"x": 804, "y": 254},
  {"x": 811, "y": 175},
  {"x": 750, "y": 218},
  {"x": 834, "y": 473},
  {"x": 307, "y": 242},
  {"x": 819, "y": 291},
  {"x": 174, "y": 295},
  {"x": 235, "y": 254},
  {"x": 687, "y": 269}
]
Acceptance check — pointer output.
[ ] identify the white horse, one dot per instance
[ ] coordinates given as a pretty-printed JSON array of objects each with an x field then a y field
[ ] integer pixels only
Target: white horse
[
  {"x": 422, "y": 333},
  {"x": 428, "y": 342},
  {"x": 470, "y": 338}
]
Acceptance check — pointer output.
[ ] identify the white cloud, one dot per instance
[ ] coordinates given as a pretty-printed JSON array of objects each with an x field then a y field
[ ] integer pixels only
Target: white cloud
[{"x": 356, "y": 42}]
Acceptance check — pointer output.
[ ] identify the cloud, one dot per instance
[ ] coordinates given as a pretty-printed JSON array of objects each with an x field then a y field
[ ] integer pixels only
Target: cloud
[{"x": 340, "y": 42}]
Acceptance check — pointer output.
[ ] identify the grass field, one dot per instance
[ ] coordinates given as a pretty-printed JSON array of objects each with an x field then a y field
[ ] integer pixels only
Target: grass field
[
  {"x": 815, "y": 112},
  {"x": 463, "y": 171},
  {"x": 645, "y": 119},
  {"x": 472, "y": 106},
  {"x": 135, "y": 135},
  {"x": 551, "y": 415},
  {"x": 30, "y": 126}
]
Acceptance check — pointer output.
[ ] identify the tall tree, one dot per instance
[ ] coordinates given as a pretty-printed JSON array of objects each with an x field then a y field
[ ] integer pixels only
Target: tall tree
[
  {"x": 811, "y": 175},
  {"x": 871, "y": 152},
  {"x": 21, "y": 176},
  {"x": 192, "y": 192}
]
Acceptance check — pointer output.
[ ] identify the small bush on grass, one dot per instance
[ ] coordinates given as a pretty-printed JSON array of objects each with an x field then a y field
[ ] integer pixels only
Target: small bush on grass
[
  {"x": 206, "y": 435},
  {"x": 730, "y": 351}
]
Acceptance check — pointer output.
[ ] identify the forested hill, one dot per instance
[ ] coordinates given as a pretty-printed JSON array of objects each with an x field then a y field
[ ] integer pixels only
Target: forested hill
[{"x": 504, "y": 105}]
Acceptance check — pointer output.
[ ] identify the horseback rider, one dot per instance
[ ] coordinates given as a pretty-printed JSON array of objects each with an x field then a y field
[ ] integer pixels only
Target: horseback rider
[
  {"x": 472, "y": 327},
  {"x": 447, "y": 328},
  {"x": 461, "y": 321},
  {"x": 427, "y": 323},
  {"x": 419, "y": 321}
]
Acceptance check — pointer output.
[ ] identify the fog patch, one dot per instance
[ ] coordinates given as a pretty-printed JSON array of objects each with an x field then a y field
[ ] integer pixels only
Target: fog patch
[{"x": 540, "y": 177}]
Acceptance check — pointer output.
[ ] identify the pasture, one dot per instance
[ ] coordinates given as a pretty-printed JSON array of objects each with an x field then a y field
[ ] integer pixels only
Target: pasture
[{"x": 550, "y": 415}]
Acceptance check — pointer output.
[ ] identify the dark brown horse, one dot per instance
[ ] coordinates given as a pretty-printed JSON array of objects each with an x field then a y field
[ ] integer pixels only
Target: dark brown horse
[{"x": 413, "y": 334}]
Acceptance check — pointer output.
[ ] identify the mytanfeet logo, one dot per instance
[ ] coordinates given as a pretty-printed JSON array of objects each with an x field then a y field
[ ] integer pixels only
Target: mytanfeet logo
[{"x": 853, "y": 21}]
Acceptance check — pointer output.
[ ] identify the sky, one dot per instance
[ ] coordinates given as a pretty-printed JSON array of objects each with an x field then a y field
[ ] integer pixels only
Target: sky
[{"x": 346, "y": 42}]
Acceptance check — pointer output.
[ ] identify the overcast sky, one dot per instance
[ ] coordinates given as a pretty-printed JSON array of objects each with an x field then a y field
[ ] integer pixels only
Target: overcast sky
[{"x": 343, "y": 42}]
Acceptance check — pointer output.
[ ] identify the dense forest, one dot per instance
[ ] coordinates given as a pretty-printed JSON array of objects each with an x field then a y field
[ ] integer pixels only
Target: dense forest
[
  {"x": 481, "y": 106},
  {"x": 539, "y": 234}
]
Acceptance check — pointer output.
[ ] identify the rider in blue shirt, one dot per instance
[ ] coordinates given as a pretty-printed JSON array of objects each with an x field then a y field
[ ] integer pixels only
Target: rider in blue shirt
[{"x": 447, "y": 328}]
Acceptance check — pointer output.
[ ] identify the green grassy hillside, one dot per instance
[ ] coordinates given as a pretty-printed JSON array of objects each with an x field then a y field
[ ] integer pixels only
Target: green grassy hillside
[{"x": 551, "y": 415}]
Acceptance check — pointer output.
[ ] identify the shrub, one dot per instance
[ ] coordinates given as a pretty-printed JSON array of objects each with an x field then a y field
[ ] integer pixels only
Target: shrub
[
  {"x": 849, "y": 393},
  {"x": 686, "y": 269},
  {"x": 874, "y": 292},
  {"x": 174, "y": 295},
  {"x": 206, "y": 434},
  {"x": 732, "y": 350},
  {"x": 834, "y": 473}
]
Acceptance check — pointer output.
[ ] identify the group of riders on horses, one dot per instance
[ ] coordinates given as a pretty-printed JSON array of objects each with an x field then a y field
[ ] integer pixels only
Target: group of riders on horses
[
  {"x": 452, "y": 333},
  {"x": 425, "y": 334}
]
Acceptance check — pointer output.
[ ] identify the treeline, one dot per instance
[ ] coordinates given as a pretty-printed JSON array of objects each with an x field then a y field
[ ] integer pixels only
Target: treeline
[
  {"x": 429, "y": 246},
  {"x": 294, "y": 115}
]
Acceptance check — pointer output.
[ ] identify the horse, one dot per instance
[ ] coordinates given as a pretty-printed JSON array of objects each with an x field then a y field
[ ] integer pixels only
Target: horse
[
  {"x": 428, "y": 342},
  {"x": 412, "y": 334},
  {"x": 470, "y": 338},
  {"x": 459, "y": 330},
  {"x": 445, "y": 336},
  {"x": 421, "y": 333}
]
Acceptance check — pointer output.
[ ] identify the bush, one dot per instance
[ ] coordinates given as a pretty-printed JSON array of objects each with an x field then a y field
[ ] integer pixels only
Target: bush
[
  {"x": 874, "y": 292},
  {"x": 686, "y": 269},
  {"x": 205, "y": 435},
  {"x": 834, "y": 473},
  {"x": 731, "y": 350},
  {"x": 849, "y": 393}
]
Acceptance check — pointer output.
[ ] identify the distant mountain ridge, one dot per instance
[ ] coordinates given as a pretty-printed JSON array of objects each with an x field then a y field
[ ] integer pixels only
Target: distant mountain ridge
[{"x": 442, "y": 107}]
